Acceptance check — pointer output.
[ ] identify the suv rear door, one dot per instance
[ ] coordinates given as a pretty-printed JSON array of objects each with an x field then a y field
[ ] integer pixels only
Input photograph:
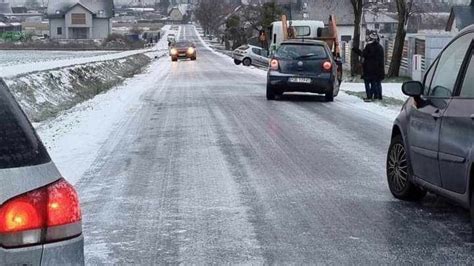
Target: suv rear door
[
  {"x": 457, "y": 132},
  {"x": 304, "y": 59},
  {"x": 425, "y": 121}
]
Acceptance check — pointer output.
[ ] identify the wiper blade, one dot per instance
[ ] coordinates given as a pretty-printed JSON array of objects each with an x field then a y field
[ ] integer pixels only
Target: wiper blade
[{"x": 306, "y": 56}]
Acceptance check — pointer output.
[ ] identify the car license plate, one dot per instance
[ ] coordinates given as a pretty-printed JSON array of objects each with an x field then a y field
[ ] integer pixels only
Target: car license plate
[{"x": 299, "y": 80}]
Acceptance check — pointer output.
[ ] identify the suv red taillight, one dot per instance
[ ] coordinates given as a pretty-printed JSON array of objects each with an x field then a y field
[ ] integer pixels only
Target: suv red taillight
[{"x": 47, "y": 214}]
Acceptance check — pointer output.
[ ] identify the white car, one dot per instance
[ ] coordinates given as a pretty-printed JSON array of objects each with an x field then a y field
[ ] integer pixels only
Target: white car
[{"x": 250, "y": 55}]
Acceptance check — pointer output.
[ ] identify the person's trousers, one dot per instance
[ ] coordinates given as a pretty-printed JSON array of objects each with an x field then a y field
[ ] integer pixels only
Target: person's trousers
[{"x": 373, "y": 89}]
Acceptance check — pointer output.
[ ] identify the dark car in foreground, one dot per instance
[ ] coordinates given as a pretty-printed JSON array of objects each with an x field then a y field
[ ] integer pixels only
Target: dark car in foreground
[
  {"x": 40, "y": 215},
  {"x": 432, "y": 147},
  {"x": 183, "y": 49},
  {"x": 303, "y": 66}
]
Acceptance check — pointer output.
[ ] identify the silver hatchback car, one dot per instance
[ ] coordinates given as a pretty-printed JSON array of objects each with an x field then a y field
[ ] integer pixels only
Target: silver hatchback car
[
  {"x": 40, "y": 215},
  {"x": 251, "y": 55}
]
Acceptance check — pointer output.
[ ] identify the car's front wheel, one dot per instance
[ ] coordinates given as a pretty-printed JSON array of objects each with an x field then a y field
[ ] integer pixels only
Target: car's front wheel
[
  {"x": 237, "y": 62},
  {"x": 174, "y": 59},
  {"x": 398, "y": 173},
  {"x": 193, "y": 58},
  {"x": 247, "y": 61}
]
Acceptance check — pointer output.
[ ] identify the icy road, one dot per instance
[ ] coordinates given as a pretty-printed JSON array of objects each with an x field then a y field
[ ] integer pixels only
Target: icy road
[{"x": 205, "y": 170}]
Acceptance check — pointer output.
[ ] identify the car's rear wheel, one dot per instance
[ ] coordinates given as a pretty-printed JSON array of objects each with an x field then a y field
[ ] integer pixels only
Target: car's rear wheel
[
  {"x": 247, "y": 61},
  {"x": 329, "y": 96},
  {"x": 270, "y": 93},
  {"x": 237, "y": 62},
  {"x": 398, "y": 173}
]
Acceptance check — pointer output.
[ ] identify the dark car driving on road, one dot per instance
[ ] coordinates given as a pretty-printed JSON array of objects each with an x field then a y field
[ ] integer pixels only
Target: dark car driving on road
[
  {"x": 40, "y": 215},
  {"x": 303, "y": 66},
  {"x": 183, "y": 49},
  {"x": 432, "y": 147}
]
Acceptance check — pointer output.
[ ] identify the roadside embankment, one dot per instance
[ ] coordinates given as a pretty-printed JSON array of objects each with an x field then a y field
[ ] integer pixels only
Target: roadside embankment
[{"x": 44, "y": 94}]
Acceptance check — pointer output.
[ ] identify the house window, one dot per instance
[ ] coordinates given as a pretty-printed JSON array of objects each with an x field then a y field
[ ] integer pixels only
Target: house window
[
  {"x": 59, "y": 31},
  {"x": 77, "y": 18}
]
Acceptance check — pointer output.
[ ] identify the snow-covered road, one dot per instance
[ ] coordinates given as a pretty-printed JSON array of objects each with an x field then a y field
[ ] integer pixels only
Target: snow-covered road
[{"x": 188, "y": 163}]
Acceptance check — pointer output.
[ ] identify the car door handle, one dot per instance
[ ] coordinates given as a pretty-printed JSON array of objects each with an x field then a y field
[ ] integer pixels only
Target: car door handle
[{"x": 436, "y": 114}]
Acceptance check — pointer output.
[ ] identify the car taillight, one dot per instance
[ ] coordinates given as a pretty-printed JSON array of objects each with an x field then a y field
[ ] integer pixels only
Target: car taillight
[
  {"x": 47, "y": 214},
  {"x": 274, "y": 65},
  {"x": 327, "y": 66}
]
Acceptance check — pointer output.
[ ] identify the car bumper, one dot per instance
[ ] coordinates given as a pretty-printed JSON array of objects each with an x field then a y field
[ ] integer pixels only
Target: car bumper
[
  {"x": 321, "y": 83},
  {"x": 68, "y": 252},
  {"x": 239, "y": 57}
]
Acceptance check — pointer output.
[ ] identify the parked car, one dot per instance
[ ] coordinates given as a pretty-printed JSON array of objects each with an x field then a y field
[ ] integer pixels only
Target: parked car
[
  {"x": 183, "y": 49},
  {"x": 250, "y": 55},
  {"x": 171, "y": 38},
  {"x": 40, "y": 215},
  {"x": 433, "y": 136},
  {"x": 303, "y": 66}
]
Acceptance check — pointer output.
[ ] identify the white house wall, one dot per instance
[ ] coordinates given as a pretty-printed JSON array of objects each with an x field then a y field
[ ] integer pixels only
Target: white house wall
[
  {"x": 54, "y": 24},
  {"x": 101, "y": 28}
]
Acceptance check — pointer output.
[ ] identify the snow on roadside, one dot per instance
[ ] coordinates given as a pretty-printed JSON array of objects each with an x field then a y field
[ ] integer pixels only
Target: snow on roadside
[
  {"x": 393, "y": 90},
  {"x": 75, "y": 137}
]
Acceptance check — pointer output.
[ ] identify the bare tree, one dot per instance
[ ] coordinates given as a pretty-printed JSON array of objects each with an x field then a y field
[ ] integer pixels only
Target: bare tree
[
  {"x": 405, "y": 9},
  {"x": 208, "y": 13},
  {"x": 358, "y": 7}
]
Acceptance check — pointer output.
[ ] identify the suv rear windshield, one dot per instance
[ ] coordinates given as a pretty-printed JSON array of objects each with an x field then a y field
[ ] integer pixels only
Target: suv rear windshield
[
  {"x": 19, "y": 144},
  {"x": 301, "y": 51}
]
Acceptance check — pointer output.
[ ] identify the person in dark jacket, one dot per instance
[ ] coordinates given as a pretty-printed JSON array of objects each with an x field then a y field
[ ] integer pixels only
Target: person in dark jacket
[{"x": 373, "y": 66}]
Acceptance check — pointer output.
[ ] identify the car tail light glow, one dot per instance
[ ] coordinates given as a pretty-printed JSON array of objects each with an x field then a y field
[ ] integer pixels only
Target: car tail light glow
[
  {"x": 274, "y": 65},
  {"x": 327, "y": 66},
  {"x": 44, "y": 215}
]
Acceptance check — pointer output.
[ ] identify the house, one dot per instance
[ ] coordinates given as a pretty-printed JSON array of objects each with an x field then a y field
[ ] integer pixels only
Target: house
[
  {"x": 460, "y": 17},
  {"x": 5, "y": 8},
  {"x": 380, "y": 22},
  {"x": 80, "y": 19},
  {"x": 178, "y": 12},
  {"x": 321, "y": 9}
]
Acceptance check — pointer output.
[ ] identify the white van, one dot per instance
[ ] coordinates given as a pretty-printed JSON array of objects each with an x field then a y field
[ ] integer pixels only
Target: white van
[{"x": 303, "y": 29}]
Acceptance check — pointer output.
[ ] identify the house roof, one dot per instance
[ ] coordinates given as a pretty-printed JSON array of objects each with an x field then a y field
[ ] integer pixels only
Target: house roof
[
  {"x": 102, "y": 8},
  {"x": 462, "y": 15},
  {"x": 321, "y": 9},
  {"x": 182, "y": 8},
  {"x": 5, "y": 8}
]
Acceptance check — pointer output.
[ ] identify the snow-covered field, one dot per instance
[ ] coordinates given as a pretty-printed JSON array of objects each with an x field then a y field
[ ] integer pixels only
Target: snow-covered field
[
  {"x": 20, "y": 57},
  {"x": 62, "y": 59}
]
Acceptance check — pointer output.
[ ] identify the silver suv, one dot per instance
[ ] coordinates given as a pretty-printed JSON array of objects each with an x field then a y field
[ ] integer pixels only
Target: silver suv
[
  {"x": 432, "y": 147},
  {"x": 40, "y": 216}
]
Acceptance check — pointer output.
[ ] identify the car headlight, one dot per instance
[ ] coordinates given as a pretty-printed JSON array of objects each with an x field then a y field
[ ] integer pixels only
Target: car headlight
[
  {"x": 190, "y": 50},
  {"x": 174, "y": 51}
]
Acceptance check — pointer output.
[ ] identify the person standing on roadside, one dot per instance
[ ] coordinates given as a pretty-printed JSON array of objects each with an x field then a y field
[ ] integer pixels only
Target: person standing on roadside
[{"x": 373, "y": 66}]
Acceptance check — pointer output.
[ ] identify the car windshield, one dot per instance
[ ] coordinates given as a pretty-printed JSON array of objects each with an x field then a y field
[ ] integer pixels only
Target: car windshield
[
  {"x": 19, "y": 145},
  {"x": 301, "y": 51},
  {"x": 183, "y": 44}
]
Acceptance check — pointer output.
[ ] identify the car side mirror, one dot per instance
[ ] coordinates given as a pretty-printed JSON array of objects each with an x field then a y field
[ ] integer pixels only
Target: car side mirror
[{"x": 412, "y": 88}]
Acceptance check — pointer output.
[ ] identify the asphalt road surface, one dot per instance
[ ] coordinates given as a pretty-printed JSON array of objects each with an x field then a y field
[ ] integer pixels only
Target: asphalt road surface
[{"x": 206, "y": 170}]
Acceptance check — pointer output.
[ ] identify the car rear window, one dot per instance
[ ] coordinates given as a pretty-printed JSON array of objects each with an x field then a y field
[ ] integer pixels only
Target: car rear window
[
  {"x": 19, "y": 144},
  {"x": 301, "y": 51}
]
